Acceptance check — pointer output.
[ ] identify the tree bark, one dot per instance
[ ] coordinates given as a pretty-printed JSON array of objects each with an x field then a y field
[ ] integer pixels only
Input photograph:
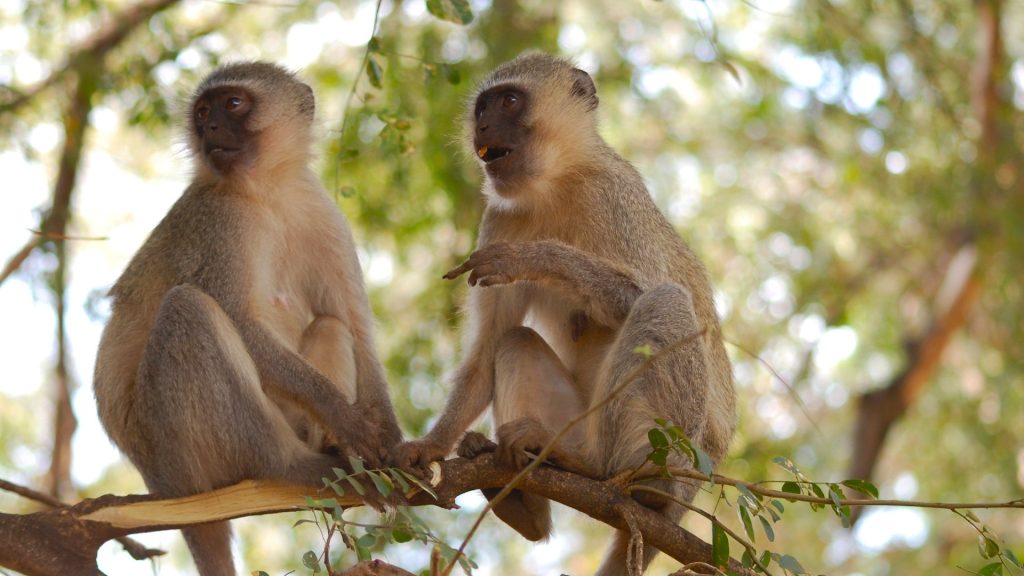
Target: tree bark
[{"x": 65, "y": 541}]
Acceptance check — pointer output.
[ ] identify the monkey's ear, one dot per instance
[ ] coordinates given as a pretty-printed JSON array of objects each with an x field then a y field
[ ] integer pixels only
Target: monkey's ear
[
  {"x": 308, "y": 105},
  {"x": 584, "y": 89}
]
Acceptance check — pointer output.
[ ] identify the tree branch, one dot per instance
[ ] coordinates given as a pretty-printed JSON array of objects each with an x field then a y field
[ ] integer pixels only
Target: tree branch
[
  {"x": 28, "y": 542},
  {"x": 107, "y": 37}
]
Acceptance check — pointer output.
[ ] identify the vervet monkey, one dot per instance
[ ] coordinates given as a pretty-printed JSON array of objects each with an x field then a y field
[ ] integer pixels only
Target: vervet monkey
[
  {"x": 575, "y": 269},
  {"x": 241, "y": 334}
]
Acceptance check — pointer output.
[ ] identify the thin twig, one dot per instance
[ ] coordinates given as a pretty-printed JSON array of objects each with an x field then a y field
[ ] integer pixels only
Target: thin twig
[{"x": 755, "y": 487}]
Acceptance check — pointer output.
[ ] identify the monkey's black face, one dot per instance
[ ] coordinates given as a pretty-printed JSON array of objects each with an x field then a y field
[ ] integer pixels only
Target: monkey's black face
[
  {"x": 219, "y": 121},
  {"x": 501, "y": 132}
]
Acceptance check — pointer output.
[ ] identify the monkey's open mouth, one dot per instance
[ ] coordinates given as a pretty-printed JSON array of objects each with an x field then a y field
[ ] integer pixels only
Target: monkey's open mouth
[{"x": 488, "y": 154}]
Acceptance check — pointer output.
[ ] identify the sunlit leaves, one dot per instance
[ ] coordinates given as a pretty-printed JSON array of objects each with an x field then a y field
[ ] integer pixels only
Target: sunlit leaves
[{"x": 457, "y": 11}]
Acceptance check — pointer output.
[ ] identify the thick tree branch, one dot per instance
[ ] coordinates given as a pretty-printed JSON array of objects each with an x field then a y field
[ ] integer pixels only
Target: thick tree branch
[{"x": 28, "y": 543}]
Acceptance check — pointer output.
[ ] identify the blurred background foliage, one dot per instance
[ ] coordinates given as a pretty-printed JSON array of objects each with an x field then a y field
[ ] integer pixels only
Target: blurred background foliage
[{"x": 849, "y": 171}]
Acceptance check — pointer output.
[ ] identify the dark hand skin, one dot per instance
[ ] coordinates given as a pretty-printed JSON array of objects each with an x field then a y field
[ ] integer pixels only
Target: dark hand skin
[{"x": 494, "y": 265}]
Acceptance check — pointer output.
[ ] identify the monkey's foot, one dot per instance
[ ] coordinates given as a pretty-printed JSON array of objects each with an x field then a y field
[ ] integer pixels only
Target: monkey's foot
[
  {"x": 517, "y": 438},
  {"x": 474, "y": 444}
]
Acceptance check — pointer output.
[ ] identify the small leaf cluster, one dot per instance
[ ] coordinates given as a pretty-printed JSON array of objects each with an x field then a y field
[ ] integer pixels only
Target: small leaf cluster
[
  {"x": 990, "y": 547},
  {"x": 669, "y": 438},
  {"x": 830, "y": 490},
  {"x": 402, "y": 526}
]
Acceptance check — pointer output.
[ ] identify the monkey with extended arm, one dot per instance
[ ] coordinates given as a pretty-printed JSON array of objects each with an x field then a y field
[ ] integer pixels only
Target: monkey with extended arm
[
  {"x": 575, "y": 269},
  {"x": 240, "y": 340}
]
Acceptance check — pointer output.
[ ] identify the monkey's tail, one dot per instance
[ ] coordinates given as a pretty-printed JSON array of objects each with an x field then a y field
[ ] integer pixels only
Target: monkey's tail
[{"x": 211, "y": 548}]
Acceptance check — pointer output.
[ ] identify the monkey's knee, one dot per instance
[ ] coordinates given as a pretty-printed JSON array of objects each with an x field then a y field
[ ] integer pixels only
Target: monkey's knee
[
  {"x": 517, "y": 342},
  {"x": 661, "y": 316}
]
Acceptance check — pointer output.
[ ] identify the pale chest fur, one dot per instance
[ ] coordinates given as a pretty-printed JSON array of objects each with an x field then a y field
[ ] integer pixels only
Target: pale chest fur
[{"x": 303, "y": 246}]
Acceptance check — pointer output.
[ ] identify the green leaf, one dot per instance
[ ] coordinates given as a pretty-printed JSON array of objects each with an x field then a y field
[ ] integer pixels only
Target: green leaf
[
  {"x": 719, "y": 546},
  {"x": 748, "y": 525},
  {"x": 366, "y": 540},
  {"x": 451, "y": 74},
  {"x": 659, "y": 457},
  {"x": 766, "y": 559},
  {"x": 363, "y": 554},
  {"x": 357, "y": 465},
  {"x": 301, "y": 522},
  {"x": 750, "y": 496},
  {"x": 993, "y": 569},
  {"x": 373, "y": 45},
  {"x": 327, "y": 503},
  {"x": 791, "y": 488},
  {"x": 657, "y": 438},
  {"x": 1012, "y": 558},
  {"x": 418, "y": 482},
  {"x": 862, "y": 486},
  {"x": 644, "y": 350},
  {"x": 402, "y": 484},
  {"x": 374, "y": 72},
  {"x": 704, "y": 463},
  {"x": 309, "y": 560},
  {"x": 767, "y": 529},
  {"x": 789, "y": 563},
  {"x": 836, "y": 494},
  {"x": 380, "y": 482},
  {"x": 259, "y": 573},
  {"x": 357, "y": 485},
  {"x": 747, "y": 559},
  {"x": 817, "y": 491},
  {"x": 987, "y": 547},
  {"x": 347, "y": 191},
  {"x": 972, "y": 516},
  {"x": 400, "y": 536},
  {"x": 786, "y": 463},
  {"x": 778, "y": 506},
  {"x": 457, "y": 11}
]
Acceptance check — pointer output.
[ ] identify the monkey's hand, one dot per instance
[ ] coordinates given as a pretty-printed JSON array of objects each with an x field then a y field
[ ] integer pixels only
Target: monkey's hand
[
  {"x": 415, "y": 456},
  {"x": 495, "y": 264},
  {"x": 474, "y": 444}
]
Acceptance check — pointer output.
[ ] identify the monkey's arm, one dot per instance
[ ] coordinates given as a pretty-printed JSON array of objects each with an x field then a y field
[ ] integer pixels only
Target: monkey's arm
[
  {"x": 605, "y": 289},
  {"x": 284, "y": 373},
  {"x": 493, "y": 313}
]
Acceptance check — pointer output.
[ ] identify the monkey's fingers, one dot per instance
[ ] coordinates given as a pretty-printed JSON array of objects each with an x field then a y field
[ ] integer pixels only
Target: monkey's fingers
[
  {"x": 474, "y": 444},
  {"x": 458, "y": 271}
]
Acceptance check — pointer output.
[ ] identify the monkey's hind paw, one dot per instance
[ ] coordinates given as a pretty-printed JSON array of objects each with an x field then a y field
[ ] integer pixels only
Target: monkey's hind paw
[{"x": 474, "y": 444}]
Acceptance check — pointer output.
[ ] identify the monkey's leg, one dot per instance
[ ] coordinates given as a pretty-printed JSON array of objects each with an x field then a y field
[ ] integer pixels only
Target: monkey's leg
[
  {"x": 531, "y": 383},
  {"x": 672, "y": 387},
  {"x": 205, "y": 421}
]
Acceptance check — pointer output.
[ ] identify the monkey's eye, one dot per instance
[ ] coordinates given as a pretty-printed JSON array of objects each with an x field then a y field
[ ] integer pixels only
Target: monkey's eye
[
  {"x": 509, "y": 100},
  {"x": 233, "y": 103},
  {"x": 201, "y": 113}
]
